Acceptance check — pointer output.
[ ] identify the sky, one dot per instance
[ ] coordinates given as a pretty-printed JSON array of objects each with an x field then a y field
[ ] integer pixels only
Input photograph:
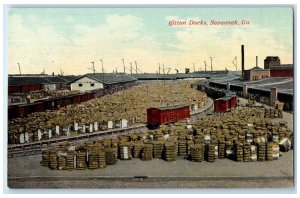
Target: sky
[{"x": 69, "y": 39}]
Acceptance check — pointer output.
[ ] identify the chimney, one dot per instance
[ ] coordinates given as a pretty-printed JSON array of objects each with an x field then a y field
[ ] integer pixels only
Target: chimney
[
  {"x": 243, "y": 61},
  {"x": 256, "y": 61}
]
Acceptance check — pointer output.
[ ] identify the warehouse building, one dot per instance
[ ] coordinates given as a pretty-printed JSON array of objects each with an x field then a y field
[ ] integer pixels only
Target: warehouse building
[
  {"x": 286, "y": 70},
  {"x": 26, "y": 83},
  {"x": 256, "y": 73},
  {"x": 95, "y": 81},
  {"x": 277, "y": 69}
]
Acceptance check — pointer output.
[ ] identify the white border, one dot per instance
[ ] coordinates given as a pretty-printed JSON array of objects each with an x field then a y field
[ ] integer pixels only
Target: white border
[{"x": 164, "y": 3}]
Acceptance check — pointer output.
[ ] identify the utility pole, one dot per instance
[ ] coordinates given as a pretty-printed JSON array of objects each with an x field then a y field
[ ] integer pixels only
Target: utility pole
[
  {"x": 130, "y": 68},
  {"x": 102, "y": 66},
  {"x": 211, "y": 64},
  {"x": 123, "y": 65},
  {"x": 205, "y": 65},
  {"x": 93, "y": 67},
  {"x": 159, "y": 68},
  {"x": 116, "y": 70},
  {"x": 136, "y": 67},
  {"x": 234, "y": 62},
  {"x": 19, "y": 68}
]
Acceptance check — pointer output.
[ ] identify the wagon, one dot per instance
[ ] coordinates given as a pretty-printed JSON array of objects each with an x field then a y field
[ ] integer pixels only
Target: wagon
[{"x": 168, "y": 114}]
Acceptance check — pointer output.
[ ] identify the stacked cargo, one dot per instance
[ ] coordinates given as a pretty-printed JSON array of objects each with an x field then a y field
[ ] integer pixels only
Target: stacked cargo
[
  {"x": 110, "y": 111},
  {"x": 170, "y": 152},
  {"x": 197, "y": 152},
  {"x": 158, "y": 147},
  {"x": 53, "y": 162},
  {"x": 247, "y": 152},
  {"x": 45, "y": 158},
  {"x": 62, "y": 162},
  {"x": 182, "y": 144},
  {"x": 239, "y": 152},
  {"x": 147, "y": 153},
  {"x": 210, "y": 152},
  {"x": 125, "y": 151},
  {"x": 137, "y": 149},
  {"x": 101, "y": 158},
  {"x": 261, "y": 151},
  {"x": 71, "y": 160},
  {"x": 80, "y": 160}
]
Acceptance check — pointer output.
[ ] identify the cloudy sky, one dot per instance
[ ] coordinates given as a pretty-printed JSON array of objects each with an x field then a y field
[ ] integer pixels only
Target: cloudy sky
[{"x": 69, "y": 39}]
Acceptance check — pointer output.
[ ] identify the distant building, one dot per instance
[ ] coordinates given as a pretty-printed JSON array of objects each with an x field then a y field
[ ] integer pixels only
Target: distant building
[
  {"x": 277, "y": 69},
  {"x": 27, "y": 83},
  {"x": 271, "y": 61},
  {"x": 286, "y": 70},
  {"x": 88, "y": 82},
  {"x": 256, "y": 73}
]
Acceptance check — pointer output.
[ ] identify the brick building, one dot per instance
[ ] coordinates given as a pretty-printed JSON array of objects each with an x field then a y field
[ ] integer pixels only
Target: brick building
[
  {"x": 271, "y": 61},
  {"x": 277, "y": 69},
  {"x": 256, "y": 73}
]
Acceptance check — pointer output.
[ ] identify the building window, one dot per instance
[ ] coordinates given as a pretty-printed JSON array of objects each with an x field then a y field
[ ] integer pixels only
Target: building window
[
  {"x": 92, "y": 84},
  {"x": 79, "y": 85}
]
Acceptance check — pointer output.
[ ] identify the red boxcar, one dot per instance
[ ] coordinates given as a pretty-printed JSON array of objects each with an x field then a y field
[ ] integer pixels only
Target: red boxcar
[
  {"x": 225, "y": 104},
  {"x": 233, "y": 101},
  {"x": 161, "y": 115}
]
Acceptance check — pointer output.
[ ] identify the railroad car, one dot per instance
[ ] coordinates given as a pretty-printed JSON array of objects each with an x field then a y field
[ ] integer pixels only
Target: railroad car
[
  {"x": 224, "y": 100},
  {"x": 162, "y": 115},
  {"x": 38, "y": 107}
]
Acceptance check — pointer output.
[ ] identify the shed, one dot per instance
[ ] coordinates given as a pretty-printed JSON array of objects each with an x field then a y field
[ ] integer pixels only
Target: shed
[{"x": 101, "y": 80}]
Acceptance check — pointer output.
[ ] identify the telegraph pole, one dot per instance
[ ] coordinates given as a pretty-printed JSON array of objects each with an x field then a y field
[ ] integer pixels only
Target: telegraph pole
[
  {"x": 211, "y": 63},
  {"x": 102, "y": 66},
  {"x": 205, "y": 65},
  {"x": 123, "y": 65},
  {"x": 159, "y": 68},
  {"x": 130, "y": 68},
  {"x": 93, "y": 67},
  {"x": 136, "y": 67},
  {"x": 19, "y": 68}
]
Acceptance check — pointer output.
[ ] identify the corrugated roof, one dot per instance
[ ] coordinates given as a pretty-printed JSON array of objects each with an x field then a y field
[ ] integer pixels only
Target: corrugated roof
[
  {"x": 55, "y": 79},
  {"x": 109, "y": 78},
  {"x": 69, "y": 78},
  {"x": 23, "y": 80}
]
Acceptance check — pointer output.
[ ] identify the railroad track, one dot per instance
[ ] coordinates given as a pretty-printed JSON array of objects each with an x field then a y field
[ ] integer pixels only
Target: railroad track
[{"x": 35, "y": 148}]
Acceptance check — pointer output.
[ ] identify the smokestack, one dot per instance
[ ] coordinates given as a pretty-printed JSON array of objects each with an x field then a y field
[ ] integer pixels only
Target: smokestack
[
  {"x": 256, "y": 61},
  {"x": 243, "y": 61}
]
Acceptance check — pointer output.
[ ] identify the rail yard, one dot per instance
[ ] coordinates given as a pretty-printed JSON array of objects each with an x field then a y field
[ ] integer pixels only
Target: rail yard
[{"x": 107, "y": 139}]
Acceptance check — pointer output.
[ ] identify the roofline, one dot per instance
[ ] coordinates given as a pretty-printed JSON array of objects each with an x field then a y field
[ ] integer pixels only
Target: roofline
[{"x": 87, "y": 75}]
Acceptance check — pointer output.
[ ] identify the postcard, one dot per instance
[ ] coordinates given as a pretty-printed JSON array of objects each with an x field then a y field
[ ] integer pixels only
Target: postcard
[{"x": 152, "y": 97}]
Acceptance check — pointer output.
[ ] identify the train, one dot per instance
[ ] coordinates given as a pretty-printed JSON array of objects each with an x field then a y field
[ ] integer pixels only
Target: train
[
  {"x": 224, "y": 100},
  {"x": 22, "y": 110},
  {"x": 168, "y": 114}
]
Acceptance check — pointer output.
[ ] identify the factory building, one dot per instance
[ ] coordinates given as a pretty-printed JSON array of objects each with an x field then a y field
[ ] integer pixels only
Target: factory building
[
  {"x": 255, "y": 73},
  {"x": 113, "y": 81},
  {"x": 271, "y": 61},
  {"x": 286, "y": 70},
  {"x": 277, "y": 69}
]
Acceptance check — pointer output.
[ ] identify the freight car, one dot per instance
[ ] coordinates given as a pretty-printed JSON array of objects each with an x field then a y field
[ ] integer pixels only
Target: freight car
[
  {"x": 226, "y": 103},
  {"x": 224, "y": 100},
  {"x": 168, "y": 114}
]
